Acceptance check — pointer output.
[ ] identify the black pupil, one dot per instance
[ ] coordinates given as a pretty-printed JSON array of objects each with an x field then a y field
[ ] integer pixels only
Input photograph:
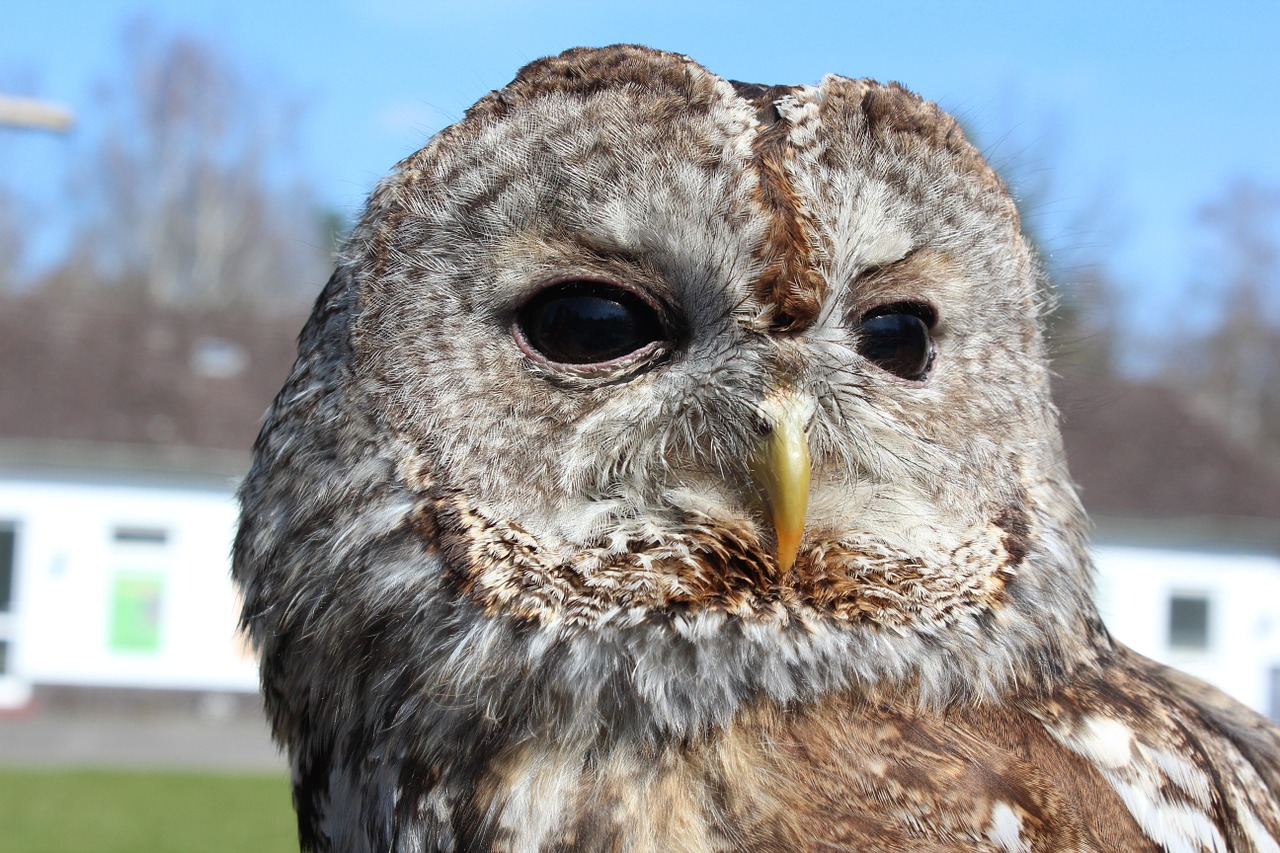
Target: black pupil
[
  {"x": 588, "y": 323},
  {"x": 898, "y": 343}
]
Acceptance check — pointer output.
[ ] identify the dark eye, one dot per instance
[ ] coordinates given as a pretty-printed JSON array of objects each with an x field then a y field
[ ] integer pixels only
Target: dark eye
[
  {"x": 588, "y": 322},
  {"x": 896, "y": 338}
]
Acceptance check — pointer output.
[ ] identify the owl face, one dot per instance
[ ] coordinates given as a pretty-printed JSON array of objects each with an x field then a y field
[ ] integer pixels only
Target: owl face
[
  {"x": 700, "y": 387},
  {"x": 586, "y": 308}
]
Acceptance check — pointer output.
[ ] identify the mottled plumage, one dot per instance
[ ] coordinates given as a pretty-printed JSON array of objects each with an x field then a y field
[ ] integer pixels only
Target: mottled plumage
[{"x": 792, "y": 562}]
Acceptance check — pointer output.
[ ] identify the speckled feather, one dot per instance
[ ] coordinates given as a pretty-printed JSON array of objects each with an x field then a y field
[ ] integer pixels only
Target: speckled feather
[{"x": 504, "y": 605}]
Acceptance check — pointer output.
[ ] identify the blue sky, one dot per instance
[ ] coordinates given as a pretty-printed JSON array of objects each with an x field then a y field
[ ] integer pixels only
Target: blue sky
[{"x": 1137, "y": 112}]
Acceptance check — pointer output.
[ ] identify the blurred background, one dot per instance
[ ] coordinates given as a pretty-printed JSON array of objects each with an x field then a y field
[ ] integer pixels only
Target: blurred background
[{"x": 175, "y": 176}]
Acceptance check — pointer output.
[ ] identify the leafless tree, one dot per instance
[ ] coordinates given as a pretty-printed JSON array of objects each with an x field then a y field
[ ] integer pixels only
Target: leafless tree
[
  {"x": 15, "y": 213},
  {"x": 1229, "y": 361},
  {"x": 12, "y": 242},
  {"x": 191, "y": 186}
]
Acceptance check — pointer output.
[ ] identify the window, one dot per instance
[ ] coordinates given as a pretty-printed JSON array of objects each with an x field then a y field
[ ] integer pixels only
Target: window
[
  {"x": 8, "y": 537},
  {"x": 137, "y": 602},
  {"x": 6, "y": 567},
  {"x": 136, "y": 614},
  {"x": 140, "y": 535},
  {"x": 1189, "y": 622}
]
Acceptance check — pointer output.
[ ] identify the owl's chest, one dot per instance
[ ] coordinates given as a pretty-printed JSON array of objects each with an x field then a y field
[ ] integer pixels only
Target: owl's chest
[{"x": 832, "y": 777}]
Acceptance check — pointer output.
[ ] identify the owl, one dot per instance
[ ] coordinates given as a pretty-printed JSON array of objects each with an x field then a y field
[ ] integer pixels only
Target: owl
[{"x": 670, "y": 465}]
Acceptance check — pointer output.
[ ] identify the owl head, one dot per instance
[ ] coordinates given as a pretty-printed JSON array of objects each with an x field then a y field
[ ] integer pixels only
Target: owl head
[{"x": 639, "y": 392}]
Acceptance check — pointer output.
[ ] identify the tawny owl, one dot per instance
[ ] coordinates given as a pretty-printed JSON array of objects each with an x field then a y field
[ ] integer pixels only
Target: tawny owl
[{"x": 670, "y": 466}]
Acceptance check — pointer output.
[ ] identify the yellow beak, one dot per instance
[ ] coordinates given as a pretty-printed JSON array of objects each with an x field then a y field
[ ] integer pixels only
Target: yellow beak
[{"x": 781, "y": 469}]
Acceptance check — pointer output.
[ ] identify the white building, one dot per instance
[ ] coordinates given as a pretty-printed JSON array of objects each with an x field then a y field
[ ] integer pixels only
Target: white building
[
  {"x": 1187, "y": 543},
  {"x": 123, "y": 434},
  {"x": 1213, "y": 614},
  {"x": 119, "y": 582},
  {"x": 122, "y": 437}
]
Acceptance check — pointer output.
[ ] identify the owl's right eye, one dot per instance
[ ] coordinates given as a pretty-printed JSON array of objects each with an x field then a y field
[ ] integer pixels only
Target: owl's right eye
[{"x": 588, "y": 323}]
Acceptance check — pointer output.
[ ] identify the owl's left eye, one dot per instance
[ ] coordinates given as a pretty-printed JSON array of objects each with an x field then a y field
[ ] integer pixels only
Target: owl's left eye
[
  {"x": 587, "y": 323},
  {"x": 897, "y": 338}
]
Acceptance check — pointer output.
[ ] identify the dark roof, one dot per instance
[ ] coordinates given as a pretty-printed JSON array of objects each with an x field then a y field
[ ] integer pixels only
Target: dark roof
[
  {"x": 1138, "y": 450},
  {"x": 102, "y": 373},
  {"x": 98, "y": 377}
]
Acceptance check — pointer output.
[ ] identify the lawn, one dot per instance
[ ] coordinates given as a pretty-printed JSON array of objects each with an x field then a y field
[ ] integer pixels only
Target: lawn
[{"x": 105, "y": 811}]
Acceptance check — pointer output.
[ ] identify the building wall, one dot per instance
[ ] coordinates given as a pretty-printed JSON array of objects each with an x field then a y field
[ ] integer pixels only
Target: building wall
[
  {"x": 124, "y": 586},
  {"x": 1240, "y": 654}
]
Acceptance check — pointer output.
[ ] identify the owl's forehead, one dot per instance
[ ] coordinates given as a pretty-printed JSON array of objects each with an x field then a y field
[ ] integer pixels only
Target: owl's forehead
[{"x": 777, "y": 191}]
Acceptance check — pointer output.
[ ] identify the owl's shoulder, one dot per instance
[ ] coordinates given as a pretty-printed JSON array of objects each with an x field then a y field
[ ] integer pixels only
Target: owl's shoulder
[
  {"x": 1255, "y": 737},
  {"x": 1127, "y": 756},
  {"x": 1196, "y": 769}
]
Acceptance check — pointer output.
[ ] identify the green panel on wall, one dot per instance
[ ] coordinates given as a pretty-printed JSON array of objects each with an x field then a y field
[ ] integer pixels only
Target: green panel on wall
[{"x": 135, "y": 613}]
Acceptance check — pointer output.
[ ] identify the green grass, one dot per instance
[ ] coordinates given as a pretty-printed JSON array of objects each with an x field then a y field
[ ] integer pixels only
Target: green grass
[{"x": 105, "y": 811}]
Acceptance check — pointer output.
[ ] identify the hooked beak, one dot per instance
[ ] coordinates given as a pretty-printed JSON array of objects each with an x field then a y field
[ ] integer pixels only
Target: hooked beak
[{"x": 781, "y": 470}]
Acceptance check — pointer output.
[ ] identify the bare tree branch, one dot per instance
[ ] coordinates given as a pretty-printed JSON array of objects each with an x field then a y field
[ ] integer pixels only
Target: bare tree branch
[{"x": 192, "y": 186}]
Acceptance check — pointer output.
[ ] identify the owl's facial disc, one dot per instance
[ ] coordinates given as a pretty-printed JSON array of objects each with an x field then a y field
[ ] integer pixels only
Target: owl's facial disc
[{"x": 754, "y": 374}]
